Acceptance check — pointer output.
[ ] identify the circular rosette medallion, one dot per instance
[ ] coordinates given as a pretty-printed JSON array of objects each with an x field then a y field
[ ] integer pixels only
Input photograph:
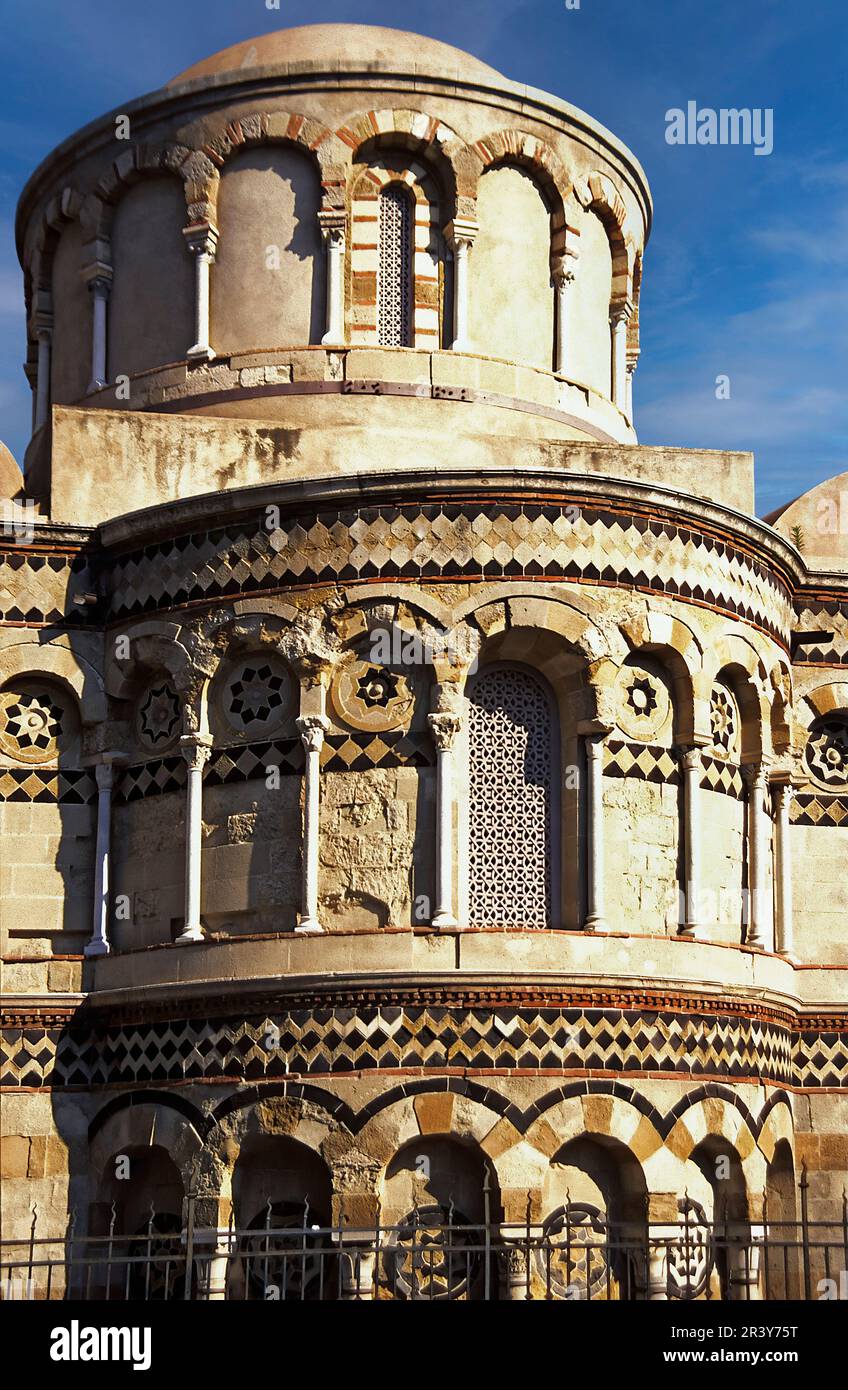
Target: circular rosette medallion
[
  {"x": 690, "y": 1257},
  {"x": 283, "y": 1260},
  {"x": 826, "y": 753},
  {"x": 644, "y": 704},
  {"x": 572, "y": 1258},
  {"x": 371, "y": 697},
  {"x": 433, "y": 1255},
  {"x": 158, "y": 718},
  {"x": 257, "y": 695},
  {"x": 36, "y": 722}
]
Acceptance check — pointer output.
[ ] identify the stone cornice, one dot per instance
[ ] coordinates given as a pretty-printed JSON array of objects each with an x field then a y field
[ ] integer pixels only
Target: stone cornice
[{"x": 502, "y": 485}]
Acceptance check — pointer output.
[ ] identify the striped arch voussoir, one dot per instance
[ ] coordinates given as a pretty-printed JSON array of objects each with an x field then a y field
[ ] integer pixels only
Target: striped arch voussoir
[{"x": 534, "y": 155}]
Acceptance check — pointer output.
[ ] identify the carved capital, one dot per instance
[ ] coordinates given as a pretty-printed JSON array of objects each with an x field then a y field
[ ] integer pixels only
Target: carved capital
[
  {"x": 312, "y": 728},
  {"x": 460, "y": 233},
  {"x": 756, "y": 775},
  {"x": 105, "y": 768},
  {"x": 564, "y": 270},
  {"x": 196, "y": 749},
  {"x": 621, "y": 312},
  {"x": 98, "y": 278},
  {"x": 444, "y": 728},
  {"x": 691, "y": 758},
  {"x": 201, "y": 239},
  {"x": 333, "y": 224}
]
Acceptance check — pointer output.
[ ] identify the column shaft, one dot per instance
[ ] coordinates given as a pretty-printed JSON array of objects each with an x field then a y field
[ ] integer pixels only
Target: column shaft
[
  {"x": 201, "y": 242},
  {"x": 460, "y": 235},
  {"x": 563, "y": 279},
  {"x": 335, "y": 334},
  {"x": 692, "y": 832},
  {"x": 42, "y": 395},
  {"x": 618, "y": 320},
  {"x": 444, "y": 727},
  {"x": 757, "y": 822},
  {"x": 312, "y": 729},
  {"x": 195, "y": 749},
  {"x": 784, "y": 943},
  {"x": 99, "y": 943},
  {"x": 596, "y": 914},
  {"x": 631, "y": 369},
  {"x": 99, "y": 290},
  {"x": 460, "y": 302}
]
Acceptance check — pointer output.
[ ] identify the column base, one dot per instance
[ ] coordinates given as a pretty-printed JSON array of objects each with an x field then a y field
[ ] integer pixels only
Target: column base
[
  {"x": 95, "y": 386},
  {"x": 189, "y": 935},
  {"x": 309, "y": 926},
  {"x": 595, "y": 922},
  {"x": 333, "y": 339},
  {"x": 443, "y": 919},
  {"x": 201, "y": 352},
  {"x": 96, "y": 948}
]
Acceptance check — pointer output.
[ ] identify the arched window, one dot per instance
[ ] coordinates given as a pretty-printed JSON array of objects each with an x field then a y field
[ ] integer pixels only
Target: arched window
[
  {"x": 512, "y": 760},
  {"x": 394, "y": 275}
]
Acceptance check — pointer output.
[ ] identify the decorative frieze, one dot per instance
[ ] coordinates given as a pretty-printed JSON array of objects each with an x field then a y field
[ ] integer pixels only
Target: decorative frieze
[
  {"x": 584, "y": 544},
  {"x": 305, "y": 1040}
]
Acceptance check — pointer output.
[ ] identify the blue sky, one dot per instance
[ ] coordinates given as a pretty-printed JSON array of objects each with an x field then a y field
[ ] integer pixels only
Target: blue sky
[{"x": 745, "y": 272}]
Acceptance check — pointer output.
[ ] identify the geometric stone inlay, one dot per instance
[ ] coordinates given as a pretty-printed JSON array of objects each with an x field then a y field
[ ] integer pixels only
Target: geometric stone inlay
[{"x": 310, "y": 1040}]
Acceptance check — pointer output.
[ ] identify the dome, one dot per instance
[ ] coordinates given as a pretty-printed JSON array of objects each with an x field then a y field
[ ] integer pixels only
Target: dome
[
  {"x": 11, "y": 479},
  {"x": 818, "y": 515},
  {"x": 352, "y": 45}
]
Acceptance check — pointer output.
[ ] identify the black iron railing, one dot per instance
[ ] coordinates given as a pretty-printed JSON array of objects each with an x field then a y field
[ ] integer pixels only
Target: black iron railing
[{"x": 435, "y": 1254}]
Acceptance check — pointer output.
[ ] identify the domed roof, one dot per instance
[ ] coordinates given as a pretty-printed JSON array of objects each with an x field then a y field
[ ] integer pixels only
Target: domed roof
[
  {"x": 351, "y": 45},
  {"x": 11, "y": 478},
  {"x": 820, "y": 516}
]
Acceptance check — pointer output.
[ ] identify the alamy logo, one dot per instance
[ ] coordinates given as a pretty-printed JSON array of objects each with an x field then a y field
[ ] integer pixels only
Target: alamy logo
[
  {"x": 727, "y": 126},
  {"x": 77, "y": 1343}
]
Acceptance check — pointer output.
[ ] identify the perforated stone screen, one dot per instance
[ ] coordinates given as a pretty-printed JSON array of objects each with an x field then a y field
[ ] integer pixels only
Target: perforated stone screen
[
  {"x": 394, "y": 283},
  {"x": 510, "y": 791}
]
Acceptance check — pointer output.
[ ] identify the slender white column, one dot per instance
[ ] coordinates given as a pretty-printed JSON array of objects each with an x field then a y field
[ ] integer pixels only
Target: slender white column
[
  {"x": 784, "y": 943},
  {"x": 312, "y": 728},
  {"x": 44, "y": 335},
  {"x": 460, "y": 236},
  {"x": 195, "y": 749},
  {"x": 333, "y": 231},
  {"x": 596, "y": 914},
  {"x": 201, "y": 242},
  {"x": 444, "y": 728},
  {"x": 692, "y": 832},
  {"x": 563, "y": 278},
  {"x": 619, "y": 317},
  {"x": 744, "y": 1251},
  {"x": 104, "y": 773},
  {"x": 213, "y": 1250},
  {"x": 757, "y": 779},
  {"x": 631, "y": 368},
  {"x": 99, "y": 287}
]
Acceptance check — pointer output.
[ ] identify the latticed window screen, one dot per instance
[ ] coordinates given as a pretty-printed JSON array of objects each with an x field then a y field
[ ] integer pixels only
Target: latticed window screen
[
  {"x": 394, "y": 277},
  {"x": 511, "y": 743}
]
